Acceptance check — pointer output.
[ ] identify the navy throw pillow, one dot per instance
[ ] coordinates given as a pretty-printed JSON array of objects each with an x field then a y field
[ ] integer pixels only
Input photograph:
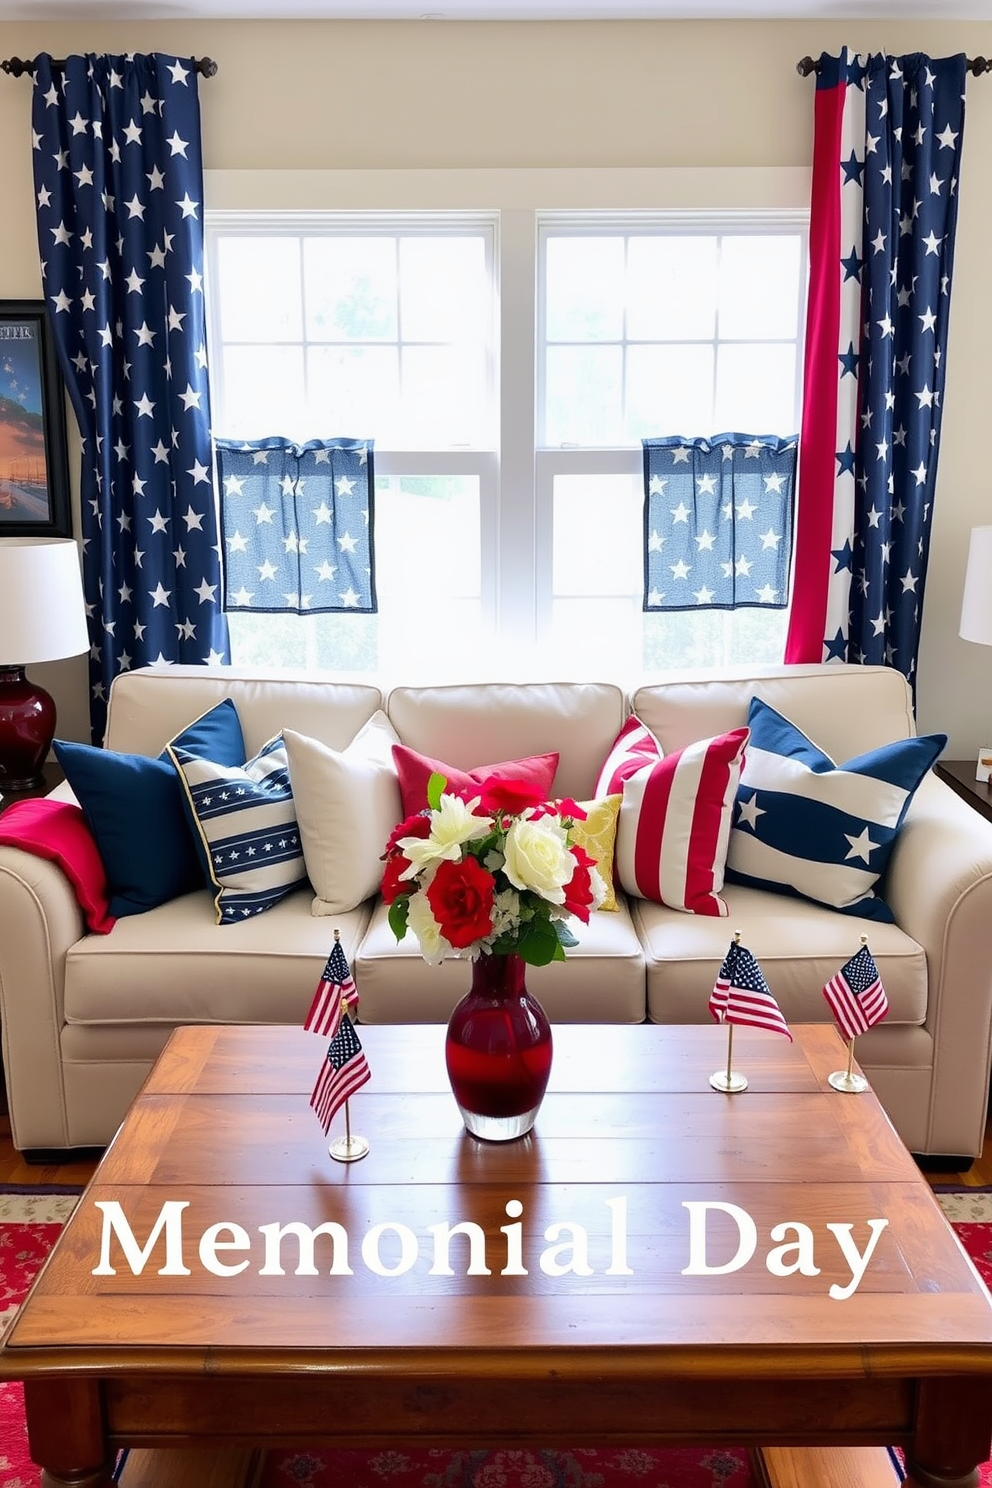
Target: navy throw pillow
[{"x": 136, "y": 810}]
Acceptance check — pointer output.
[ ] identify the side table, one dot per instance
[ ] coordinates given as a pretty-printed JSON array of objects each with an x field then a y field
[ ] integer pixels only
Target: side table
[
  {"x": 53, "y": 777},
  {"x": 960, "y": 776}
]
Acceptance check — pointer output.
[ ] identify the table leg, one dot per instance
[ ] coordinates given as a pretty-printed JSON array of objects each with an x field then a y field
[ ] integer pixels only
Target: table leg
[
  {"x": 953, "y": 1433},
  {"x": 66, "y": 1433}
]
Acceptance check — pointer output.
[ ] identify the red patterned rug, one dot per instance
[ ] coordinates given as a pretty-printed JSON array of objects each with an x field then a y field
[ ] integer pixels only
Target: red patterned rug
[{"x": 30, "y": 1221}]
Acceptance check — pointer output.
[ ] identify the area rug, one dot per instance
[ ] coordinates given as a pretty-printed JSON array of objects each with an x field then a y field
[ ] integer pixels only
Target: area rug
[{"x": 30, "y": 1220}]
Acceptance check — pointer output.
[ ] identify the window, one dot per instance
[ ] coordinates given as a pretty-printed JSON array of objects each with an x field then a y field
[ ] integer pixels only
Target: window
[
  {"x": 648, "y": 327},
  {"x": 506, "y": 365}
]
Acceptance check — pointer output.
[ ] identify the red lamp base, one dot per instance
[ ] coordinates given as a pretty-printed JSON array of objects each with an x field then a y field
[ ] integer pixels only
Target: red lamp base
[{"x": 27, "y": 727}]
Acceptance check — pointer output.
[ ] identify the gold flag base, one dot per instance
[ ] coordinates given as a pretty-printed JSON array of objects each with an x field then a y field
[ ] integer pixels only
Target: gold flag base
[
  {"x": 349, "y": 1149},
  {"x": 848, "y": 1082},
  {"x": 731, "y": 1082}
]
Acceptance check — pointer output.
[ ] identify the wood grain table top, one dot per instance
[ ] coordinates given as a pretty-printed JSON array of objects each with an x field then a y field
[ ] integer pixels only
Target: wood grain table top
[{"x": 629, "y": 1139}]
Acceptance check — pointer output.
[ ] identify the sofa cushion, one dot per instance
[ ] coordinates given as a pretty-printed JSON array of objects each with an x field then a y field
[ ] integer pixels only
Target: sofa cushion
[
  {"x": 135, "y": 810},
  {"x": 675, "y": 816},
  {"x": 414, "y": 770},
  {"x": 799, "y": 946},
  {"x": 804, "y": 825},
  {"x": 597, "y": 833},
  {"x": 248, "y": 826},
  {"x": 601, "y": 980},
  {"x": 347, "y": 803},
  {"x": 467, "y": 722},
  {"x": 176, "y": 965}
]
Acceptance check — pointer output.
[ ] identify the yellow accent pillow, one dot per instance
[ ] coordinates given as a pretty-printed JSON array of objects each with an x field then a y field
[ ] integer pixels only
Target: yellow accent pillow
[{"x": 597, "y": 834}]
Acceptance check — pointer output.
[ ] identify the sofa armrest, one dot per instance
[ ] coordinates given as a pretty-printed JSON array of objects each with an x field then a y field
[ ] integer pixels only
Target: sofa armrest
[
  {"x": 939, "y": 886},
  {"x": 40, "y": 920}
]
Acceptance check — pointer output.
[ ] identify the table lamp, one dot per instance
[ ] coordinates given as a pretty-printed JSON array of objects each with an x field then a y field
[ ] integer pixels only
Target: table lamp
[
  {"x": 976, "y": 607},
  {"x": 42, "y": 618}
]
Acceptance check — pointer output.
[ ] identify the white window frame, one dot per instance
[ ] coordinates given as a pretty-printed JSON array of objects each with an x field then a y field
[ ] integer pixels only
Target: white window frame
[{"x": 516, "y": 481}]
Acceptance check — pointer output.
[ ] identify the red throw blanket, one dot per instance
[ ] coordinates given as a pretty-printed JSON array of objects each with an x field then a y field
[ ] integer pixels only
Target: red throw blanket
[{"x": 58, "y": 830}]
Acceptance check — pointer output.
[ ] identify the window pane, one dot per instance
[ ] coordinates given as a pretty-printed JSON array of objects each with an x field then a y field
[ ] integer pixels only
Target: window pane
[
  {"x": 264, "y": 392},
  {"x": 444, "y": 289},
  {"x": 350, "y": 288},
  {"x": 259, "y": 289},
  {"x": 597, "y": 535},
  {"x": 671, "y": 288},
  {"x": 428, "y": 571},
  {"x": 584, "y": 292},
  {"x": 756, "y": 389},
  {"x": 445, "y": 401},
  {"x": 583, "y": 395},
  {"x": 669, "y": 390},
  {"x": 759, "y": 286},
  {"x": 353, "y": 392}
]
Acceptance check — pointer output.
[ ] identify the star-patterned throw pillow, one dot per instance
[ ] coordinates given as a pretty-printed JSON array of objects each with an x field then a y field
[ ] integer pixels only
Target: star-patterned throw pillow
[
  {"x": 807, "y": 826},
  {"x": 247, "y": 821}
]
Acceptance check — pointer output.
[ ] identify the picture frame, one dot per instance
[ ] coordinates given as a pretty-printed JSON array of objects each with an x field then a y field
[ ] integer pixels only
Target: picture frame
[{"x": 34, "y": 466}]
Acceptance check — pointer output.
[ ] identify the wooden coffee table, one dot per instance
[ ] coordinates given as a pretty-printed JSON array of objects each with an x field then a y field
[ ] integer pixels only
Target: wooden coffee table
[{"x": 634, "y": 1353}]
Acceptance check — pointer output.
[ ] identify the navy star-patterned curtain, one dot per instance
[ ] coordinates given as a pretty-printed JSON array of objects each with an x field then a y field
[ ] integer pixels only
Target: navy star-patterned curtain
[
  {"x": 119, "y": 182},
  {"x": 886, "y": 160},
  {"x": 718, "y": 522},
  {"x": 298, "y": 525}
]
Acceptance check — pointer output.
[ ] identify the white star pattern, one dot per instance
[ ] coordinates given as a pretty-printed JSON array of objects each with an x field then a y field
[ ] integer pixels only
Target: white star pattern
[
  {"x": 878, "y": 348},
  {"x": 727, "y": 520},
  {"x": 102, "y": 175},
  {"x": 283, "y": 508}
]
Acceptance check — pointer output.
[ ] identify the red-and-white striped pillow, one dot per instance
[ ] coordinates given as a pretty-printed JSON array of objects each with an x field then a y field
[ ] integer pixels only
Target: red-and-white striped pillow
[{"x": 675, "y": 817}]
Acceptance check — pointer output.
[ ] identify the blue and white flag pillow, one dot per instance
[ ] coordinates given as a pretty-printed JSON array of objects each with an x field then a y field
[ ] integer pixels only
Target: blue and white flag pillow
[
  {"x": 804, "y": 825},
  {"x": 247, "y": 821}
]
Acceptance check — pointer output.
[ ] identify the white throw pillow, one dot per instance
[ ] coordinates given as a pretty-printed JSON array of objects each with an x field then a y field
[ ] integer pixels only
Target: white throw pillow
[{"x": 347, "y": 803}]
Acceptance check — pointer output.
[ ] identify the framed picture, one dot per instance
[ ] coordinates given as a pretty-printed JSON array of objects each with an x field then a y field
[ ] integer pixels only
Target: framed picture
[{"x": 34, "y": 470}]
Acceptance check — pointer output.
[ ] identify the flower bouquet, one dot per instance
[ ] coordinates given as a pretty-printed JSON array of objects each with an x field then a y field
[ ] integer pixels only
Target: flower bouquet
[
  {"x": 494, "y": 878},
  {"x": 494, "y": 875}
]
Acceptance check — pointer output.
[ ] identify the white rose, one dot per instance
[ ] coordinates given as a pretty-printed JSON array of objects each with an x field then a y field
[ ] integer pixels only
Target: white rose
[
  {"x": 537, "y": 857},
  {"x": 421, "y": 921},
  {"x": 452, "y": 825}
]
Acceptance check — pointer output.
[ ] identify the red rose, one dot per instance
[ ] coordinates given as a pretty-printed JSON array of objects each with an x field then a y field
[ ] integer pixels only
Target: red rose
[
  {"x": 578, "y": 890},
  {"x": 418, "y": 825},
  {"x": 391, "y": 888},
  {"x": 461, "y": 899},
  {"x": 507, "y": 797}
]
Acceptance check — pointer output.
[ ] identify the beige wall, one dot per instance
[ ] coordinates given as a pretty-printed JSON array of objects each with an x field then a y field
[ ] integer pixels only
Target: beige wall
[{"x": 322, "y": 95}]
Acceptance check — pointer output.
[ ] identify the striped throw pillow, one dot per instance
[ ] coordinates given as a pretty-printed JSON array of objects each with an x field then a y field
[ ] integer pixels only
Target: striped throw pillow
[
  {"x": 247, "y": 822},
  {"x": 675, "y": 817},
  {"x": 805, "y": 825}
]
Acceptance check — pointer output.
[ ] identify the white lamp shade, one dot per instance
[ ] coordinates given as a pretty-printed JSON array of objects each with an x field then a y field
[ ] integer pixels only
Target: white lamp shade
[{"x": 42, "y": 616}]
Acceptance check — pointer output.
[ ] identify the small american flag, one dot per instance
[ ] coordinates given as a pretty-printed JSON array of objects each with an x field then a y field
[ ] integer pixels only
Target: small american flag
[
  {"x": 856, "y": 996},
  {"x": 335, "y": 992},
  {"x": 345, "y": 1071},
  {"x": 741, "y": 994}
]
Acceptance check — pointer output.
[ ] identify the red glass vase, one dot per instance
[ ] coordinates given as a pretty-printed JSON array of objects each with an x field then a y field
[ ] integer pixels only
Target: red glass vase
[{"x": 498, "y": 1051}]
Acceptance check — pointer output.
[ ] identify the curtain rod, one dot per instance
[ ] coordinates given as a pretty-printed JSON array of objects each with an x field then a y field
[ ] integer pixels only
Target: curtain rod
[
  {"x": 976, "y": 65},
  {"x": 16, "y": 66}
]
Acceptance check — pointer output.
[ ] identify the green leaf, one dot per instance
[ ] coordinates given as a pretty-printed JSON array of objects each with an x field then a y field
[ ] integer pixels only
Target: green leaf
[
  {"x": 539, "y": 944},
  {"x": 565, "y": 936},
  {"x": 435, "y": 786},
  {"x": 399, "y": 913}
]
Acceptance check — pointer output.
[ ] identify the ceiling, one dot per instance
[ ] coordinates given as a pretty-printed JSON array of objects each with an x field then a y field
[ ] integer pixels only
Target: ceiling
[{"x": 490, "y": 10}]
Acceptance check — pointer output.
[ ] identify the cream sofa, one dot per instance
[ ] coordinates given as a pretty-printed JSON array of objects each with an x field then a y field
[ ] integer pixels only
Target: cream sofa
[{"x": 84, "y": 1016}]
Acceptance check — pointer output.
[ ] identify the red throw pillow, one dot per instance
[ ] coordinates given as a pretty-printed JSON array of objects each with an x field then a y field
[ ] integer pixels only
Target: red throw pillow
[
  {"x": 415, "y": 770},
  {"x": 58, "y": 830},
  {"x": 675, "y": 817}
]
